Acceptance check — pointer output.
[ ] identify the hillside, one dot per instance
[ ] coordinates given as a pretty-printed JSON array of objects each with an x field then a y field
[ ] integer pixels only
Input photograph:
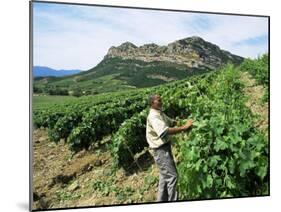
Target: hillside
[{"x": 128, "y": 66}]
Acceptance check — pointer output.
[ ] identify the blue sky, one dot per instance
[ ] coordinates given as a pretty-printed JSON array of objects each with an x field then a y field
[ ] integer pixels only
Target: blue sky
[{"x": 78, "y": 37}]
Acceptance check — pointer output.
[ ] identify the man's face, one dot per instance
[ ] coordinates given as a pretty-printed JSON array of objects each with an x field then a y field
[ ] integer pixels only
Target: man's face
[{"x": 157, "y": 102}]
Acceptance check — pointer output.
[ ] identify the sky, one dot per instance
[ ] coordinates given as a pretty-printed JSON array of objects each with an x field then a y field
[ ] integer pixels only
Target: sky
[{"x": 78, "y": 37}]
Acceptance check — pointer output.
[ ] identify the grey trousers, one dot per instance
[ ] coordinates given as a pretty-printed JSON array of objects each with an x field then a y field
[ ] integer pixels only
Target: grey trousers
[{"x": 167, "y": 173}]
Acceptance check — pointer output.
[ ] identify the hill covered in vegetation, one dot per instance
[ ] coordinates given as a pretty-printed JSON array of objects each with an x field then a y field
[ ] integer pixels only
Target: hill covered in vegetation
[{"x": 129, "y": 67}]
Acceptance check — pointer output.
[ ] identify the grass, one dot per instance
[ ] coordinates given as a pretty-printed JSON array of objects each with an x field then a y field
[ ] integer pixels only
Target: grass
[
  {"x": 47, "y": 100},
  {"x": 64, "y": 195},
  {"x": 108, "y": 186}
]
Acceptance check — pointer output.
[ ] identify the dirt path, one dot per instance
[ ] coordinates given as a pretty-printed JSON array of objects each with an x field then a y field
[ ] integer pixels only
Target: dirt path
[
  {"x": 87, "y": 178},
  {"x": 255, "y": 93}
]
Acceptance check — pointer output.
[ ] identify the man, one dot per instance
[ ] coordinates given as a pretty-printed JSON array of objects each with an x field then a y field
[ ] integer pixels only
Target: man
[{"x": 158, "y": 129}]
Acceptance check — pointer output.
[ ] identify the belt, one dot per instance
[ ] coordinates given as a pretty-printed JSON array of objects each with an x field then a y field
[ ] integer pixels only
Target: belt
[{"x": 162, "y": 146}]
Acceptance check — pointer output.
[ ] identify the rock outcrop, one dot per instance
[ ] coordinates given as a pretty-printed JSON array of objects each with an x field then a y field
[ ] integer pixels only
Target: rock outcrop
[{"x": 194, "y": 52}]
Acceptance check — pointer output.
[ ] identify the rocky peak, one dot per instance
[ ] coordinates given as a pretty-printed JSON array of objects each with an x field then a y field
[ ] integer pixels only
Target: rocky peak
[
  {"x": 191, "y": 51},
  {"x": 121, "y": 50},
  {"x": 192, "y": 43},
  {"x": 149, "y": 46},
  {"x": 193, "y": 39},
  {"x": 127, "y": 45}
]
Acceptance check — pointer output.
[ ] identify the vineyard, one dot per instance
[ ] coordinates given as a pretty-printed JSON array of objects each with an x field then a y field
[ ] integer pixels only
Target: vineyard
[{"x": 223, "y": 155}]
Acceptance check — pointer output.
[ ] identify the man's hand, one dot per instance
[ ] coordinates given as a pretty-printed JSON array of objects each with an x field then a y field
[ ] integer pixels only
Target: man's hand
[
  {"x": 188, "y": 124},
  {"x": 174, "y": 130}
]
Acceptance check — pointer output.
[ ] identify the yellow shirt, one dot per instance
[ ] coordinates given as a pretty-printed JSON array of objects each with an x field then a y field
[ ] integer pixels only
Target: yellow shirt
[{"x": 156, "y": 128}]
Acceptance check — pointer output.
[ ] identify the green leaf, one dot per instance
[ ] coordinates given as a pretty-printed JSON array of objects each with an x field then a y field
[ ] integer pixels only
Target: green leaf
[
  {"x": 262, "y": 171},
  {"x": 262, "y": 167},
  {"x": 220, "y": 145},
  {"x": 231, "y": 165},
  {"x": 197, "y": 165},
  {"x": 209, "y": 181},
  {"x": 213, "y": 161},
  {"x": 205, "y": 168},
  {"x": 219, "y": 130},
  {"x": 218, "y": 182},
  {"x": 228, "y": 182},
  {"x": 244, "y": 166}
]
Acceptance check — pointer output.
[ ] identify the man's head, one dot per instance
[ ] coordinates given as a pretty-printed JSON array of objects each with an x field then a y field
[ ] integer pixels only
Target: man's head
[{"x": 155, "y": 101}]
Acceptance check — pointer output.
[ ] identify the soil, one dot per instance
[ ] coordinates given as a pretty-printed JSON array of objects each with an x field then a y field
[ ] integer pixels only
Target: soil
[
  {"x": 62, "y": 179},
  {"x": 255, "y": 94}
]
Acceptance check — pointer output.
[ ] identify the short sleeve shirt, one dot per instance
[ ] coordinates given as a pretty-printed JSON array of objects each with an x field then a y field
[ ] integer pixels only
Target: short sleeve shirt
[{"x": 156, "y": 128}]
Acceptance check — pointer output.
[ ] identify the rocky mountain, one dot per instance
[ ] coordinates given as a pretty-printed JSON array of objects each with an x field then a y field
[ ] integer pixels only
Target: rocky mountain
[
  {"x": 194, "y": 52},
  {"x": 128, "y": 66}
]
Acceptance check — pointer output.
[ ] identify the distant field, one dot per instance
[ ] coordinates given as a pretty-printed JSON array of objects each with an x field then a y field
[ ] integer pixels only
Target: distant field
[
  {"x": 43, "y": 101},
  {"x": 39, "y": 101}
]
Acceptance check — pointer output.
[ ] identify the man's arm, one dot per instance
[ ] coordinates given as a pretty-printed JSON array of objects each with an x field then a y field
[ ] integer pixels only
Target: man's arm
[{"x": 175, "y": 130}]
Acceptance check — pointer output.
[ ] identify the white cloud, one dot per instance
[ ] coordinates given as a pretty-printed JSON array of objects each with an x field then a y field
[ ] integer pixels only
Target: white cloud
[
  {"x": 230, "y": 30},
  {"x": 79, "y": 36}
]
